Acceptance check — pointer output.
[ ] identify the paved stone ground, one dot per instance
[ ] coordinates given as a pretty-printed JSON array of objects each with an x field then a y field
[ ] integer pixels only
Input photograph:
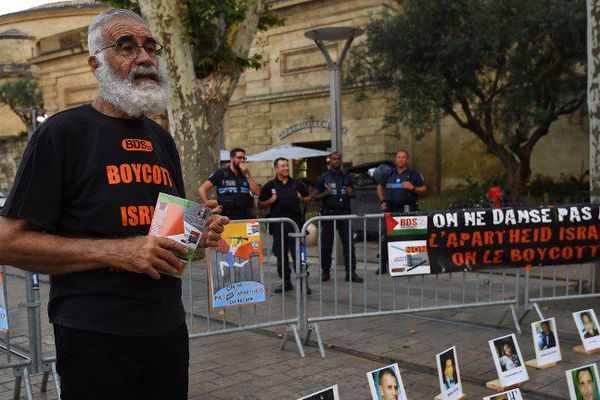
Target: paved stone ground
[{"x": 250, "y": 365}]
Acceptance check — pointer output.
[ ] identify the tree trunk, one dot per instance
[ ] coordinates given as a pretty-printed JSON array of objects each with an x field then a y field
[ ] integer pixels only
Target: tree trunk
[
  {"x": 515, "y": 185},
  {"x": 187, "y": 113},
  {"x": 197, "y": 107},
  {"x": 593, "y": 98}
]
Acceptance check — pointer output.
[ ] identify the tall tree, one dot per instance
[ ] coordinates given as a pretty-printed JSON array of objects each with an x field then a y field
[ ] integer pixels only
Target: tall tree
[
  {"x": 503, "y": 70},
  {"x": 593, "y": 95},
  {"x": 24, "y": 97},
  {"x": 207, "y": 45}
]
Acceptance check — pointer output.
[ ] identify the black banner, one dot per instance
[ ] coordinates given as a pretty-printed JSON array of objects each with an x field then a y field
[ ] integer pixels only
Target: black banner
[{"x": 502, "y": 237}]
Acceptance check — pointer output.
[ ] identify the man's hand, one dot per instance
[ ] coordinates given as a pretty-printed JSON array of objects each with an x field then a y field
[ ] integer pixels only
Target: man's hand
[
  {"x": 212, "y": 232},
  {"x": 273, "y": 198},
  {"x": 407, "y": 185},
  {"x": 214, "y": 206},
  {"x": 148, "y": 255},
  {"x": 329, "y": 189}
]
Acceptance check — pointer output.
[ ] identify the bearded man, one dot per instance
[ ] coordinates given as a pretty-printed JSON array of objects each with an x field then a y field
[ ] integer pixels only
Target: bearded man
[{"x": 80, "y": 210}]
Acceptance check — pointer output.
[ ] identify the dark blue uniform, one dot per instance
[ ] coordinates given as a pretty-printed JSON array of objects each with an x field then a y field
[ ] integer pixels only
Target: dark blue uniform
[
  {"x": 396, "y": 196},
  {"x": 233, "y": 193},
  {"x": 337, "y": 203}
]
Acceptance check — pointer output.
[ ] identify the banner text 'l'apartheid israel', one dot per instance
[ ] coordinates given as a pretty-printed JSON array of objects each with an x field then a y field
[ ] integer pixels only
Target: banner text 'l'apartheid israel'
[{"x": 482, "y": 238}]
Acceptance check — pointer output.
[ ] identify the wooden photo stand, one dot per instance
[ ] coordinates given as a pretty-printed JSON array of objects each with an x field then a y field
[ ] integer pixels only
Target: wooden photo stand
[
  {"x": 581, "y": 350},
  {"x": 534, "y": 364},
  {"x": 462, "y": 397},
  {"x": 497, "y": 386}
]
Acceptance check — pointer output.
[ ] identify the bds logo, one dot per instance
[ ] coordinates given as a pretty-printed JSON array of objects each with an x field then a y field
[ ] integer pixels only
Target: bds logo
[
  {"x": 408, "y": 222},
  {"x": 136, "y": 145}
]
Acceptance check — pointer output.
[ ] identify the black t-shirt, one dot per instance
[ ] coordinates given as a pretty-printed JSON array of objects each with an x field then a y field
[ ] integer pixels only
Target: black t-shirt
[
  {"x": 88, "y": 175},
  {"x": 396, "y": 196},
  {"x": 233, "y": 192},
  {"x": 338, "y": 199},
  {"x": 287, "y": 203}
]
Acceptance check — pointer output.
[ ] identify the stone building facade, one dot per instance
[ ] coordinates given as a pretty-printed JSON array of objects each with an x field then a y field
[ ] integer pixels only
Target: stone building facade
[
  {"x": 285, "y": 102},
  {"x": 29, "y": 41}
]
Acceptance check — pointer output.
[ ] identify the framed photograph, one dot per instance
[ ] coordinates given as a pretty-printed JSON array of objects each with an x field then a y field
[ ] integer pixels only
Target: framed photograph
[
  {"x": 448, "y": 374},
  {"x": 587, "y": 326},
  {"x": 508, "y": 360},
  {"x": 514, "y": 394},
  {"x": 545, "y": 341},
  {"x": 386, "y": 383},
  {"x": 583, "y": 383},
  {"x": 331, "y": 393}
]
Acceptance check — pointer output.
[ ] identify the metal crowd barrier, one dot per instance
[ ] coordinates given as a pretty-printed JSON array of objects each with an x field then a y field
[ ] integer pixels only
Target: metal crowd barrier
[
  {"x": 20, "y": 331},
  {"x": 279, "y": 309},
  {"x": 337, "y": 299},
  {"x": 558, "y": 283},
  {"x": 380, "y": 295}
]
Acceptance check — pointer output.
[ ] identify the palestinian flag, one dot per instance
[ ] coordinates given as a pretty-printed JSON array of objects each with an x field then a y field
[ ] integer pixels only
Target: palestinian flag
[{"x": 406, "y": 226}]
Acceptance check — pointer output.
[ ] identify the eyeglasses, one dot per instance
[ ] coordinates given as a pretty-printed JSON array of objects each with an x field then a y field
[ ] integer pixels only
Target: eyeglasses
[{"x": 129, "y": 48}]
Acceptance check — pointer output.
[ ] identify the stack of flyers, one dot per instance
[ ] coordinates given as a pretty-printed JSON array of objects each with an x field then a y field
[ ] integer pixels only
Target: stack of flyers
[{"x": 180, "y": 220}]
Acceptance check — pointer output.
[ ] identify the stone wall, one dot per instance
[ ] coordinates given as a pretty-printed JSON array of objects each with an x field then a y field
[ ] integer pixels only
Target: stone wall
[{"x": 11, "y": 149}]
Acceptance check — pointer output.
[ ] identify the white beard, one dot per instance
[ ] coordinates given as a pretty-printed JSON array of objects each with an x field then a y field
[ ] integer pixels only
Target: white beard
[{"x": 145, "y": 97}]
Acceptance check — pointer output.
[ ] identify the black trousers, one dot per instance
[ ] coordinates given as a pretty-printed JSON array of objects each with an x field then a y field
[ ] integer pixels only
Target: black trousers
[
  {"x": 94, "y": 365},
  {"x": 327, "y": 239},
  {"x": 282, "y": 247}
]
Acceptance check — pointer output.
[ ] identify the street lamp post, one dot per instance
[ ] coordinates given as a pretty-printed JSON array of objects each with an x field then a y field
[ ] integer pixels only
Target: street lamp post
[{"x": 320, "y": 36}]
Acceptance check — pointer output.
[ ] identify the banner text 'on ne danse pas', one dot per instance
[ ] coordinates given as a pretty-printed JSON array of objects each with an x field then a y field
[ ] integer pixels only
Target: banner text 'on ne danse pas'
[{"x": 519, "y": 236}]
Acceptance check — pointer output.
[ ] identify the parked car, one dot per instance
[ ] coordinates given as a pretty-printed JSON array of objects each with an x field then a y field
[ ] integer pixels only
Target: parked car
[{"x": 366, "y": 200}]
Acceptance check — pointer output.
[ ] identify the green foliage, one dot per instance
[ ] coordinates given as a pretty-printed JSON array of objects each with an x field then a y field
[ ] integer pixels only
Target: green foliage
[
  {"x": 208, "y": 25},
  {"x": 501, "y": 68},
  {"x": 565, "y": 189},
  {"x": 21, "y": 95},
  {"x": 473, "y": 194},
  {"x": 540, "y": 190}
]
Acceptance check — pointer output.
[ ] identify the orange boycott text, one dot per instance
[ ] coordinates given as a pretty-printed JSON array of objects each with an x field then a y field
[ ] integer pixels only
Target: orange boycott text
[
  {"x": 136, "y": 215},
  {"x": 525, "y": 255},
  {"x": 146, "y": 173},
  {"x": 487, "y": 238}
]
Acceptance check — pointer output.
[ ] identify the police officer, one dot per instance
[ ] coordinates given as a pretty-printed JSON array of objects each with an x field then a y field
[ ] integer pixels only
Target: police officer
[
  {"x": 234, "y": 186},
  {"x": 398, "y": 192},
  {"x": 334, "y": 189},
  {"x": 284, "y": 195}
]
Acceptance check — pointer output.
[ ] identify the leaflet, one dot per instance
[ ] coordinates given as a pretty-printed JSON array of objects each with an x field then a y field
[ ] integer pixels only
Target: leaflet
[{"x": 180, "y": 220}]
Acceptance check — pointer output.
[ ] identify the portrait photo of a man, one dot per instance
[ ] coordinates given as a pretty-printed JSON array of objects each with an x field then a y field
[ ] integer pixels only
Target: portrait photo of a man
[
  {"x": 545, "y": 334},
  {"x": 587, "y": 327},
  {"x": 545, "y": 340},
  {"x": 508, "y": 357},
  {"x": 448, "y": 372},
  {"x": 386, "y": 383},
  {"x": 583, "y": 383},
  {"x": 508, "y": 360}
]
